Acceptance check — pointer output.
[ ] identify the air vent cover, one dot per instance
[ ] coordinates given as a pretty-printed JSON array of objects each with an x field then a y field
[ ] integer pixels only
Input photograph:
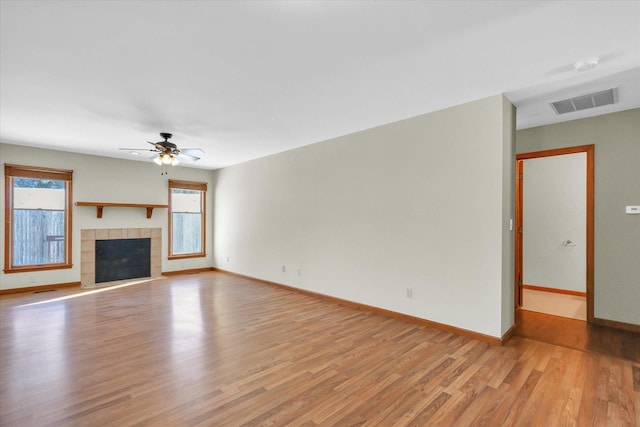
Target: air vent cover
[{"x": 584, "y": 102}]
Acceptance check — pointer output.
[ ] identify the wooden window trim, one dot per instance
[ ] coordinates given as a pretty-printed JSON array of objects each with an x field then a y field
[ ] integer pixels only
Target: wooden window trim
[
  {"x": 11, "y": 171},
  {"x": 189, "y": 185},
  {"x": 38, "y": 172}
]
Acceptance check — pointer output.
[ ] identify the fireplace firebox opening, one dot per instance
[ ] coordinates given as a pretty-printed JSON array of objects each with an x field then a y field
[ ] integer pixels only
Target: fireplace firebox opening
[{"x": 120, "y": 259}]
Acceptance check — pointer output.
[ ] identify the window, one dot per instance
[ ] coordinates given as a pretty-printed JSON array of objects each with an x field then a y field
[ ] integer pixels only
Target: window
[
  {"x": 37, "y": 218},
  {"x": 187, "y": 219}
]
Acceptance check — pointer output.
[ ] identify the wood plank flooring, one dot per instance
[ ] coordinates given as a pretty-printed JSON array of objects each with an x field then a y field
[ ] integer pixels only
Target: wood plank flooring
[
  {"x": 561, "y": 305},
  {"x": 213, "y": 349},
  {"x": 578, "y": 334}
]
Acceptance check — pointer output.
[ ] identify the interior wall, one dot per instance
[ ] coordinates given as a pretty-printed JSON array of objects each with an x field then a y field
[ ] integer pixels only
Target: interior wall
[
  {"x": 554, "y": 218},
  {"x": 411, "y": 217},
  {"x": 101, "y": 179},
  {"x": 508, "y": 213},
  {"x": 617, "y": 184}
]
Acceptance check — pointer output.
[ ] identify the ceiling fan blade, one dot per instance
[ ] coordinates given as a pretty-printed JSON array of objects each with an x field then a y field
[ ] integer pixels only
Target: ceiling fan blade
[
  {"x": 192, "y": 157},
  {"x": 158, "y": 145},
  {"x": 191, "y": 150},
  {"x": 136, "y": 149}
]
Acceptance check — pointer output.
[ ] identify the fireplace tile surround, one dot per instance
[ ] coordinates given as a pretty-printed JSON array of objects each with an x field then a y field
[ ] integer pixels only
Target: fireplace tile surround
[{"x": 88, "y": 250}]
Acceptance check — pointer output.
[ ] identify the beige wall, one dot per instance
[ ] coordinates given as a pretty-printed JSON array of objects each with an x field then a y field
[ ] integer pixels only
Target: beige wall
[
  {"x": 617, "y": 183},
  {"x": 508, "y": 213},
  {"x": 423, "y": 204},
  {"x": 101, "y": 179}
]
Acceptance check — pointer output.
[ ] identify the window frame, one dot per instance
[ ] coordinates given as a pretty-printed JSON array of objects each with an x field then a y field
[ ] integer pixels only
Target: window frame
[
  {"x": 189, "y": 185},
  {"x": 12, "y": 171}
]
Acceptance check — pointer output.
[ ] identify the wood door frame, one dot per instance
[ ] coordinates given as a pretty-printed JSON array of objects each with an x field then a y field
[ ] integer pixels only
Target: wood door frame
[{"x": 589, "y": 150}]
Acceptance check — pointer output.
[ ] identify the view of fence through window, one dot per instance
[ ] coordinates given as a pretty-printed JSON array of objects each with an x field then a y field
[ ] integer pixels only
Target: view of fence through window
[
  {"x": 38, "y": 221},
  {"x": 186, "y": 211}
]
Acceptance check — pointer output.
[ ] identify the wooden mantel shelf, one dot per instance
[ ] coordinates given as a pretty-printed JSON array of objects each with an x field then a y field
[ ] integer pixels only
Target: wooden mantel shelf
[{"x": 100, "y": 205}]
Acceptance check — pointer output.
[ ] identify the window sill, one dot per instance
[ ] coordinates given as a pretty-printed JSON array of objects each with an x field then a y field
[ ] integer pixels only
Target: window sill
[
  {"x": 31, "y": 268},
  {"x": 186, "y": 256}
]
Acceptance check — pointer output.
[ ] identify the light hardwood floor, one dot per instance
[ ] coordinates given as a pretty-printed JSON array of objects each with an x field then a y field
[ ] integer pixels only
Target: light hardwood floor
[
  {"x": 571, "y": 306},
  {"x": 213, "y": 349}
]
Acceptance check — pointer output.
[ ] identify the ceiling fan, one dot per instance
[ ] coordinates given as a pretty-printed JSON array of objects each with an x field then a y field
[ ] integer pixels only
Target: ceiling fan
[{"x": 168, "y": 153}]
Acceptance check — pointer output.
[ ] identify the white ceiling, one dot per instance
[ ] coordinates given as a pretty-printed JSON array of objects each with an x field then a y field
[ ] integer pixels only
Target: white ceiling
[{"x": 245, "y": 79}]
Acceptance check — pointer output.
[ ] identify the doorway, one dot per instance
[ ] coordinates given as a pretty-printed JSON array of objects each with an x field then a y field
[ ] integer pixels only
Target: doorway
[{"x": 567, "y": 247}]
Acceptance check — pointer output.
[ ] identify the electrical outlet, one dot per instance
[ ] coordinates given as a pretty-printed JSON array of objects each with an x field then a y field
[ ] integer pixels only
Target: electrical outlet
[
  {"x": 632, "y": 210},
  {"x": 227, "y": 259},
  {"x": 409, "y": 293},
  {"x": 299, "y": 272},
  {"x": 284, "y": 268}
]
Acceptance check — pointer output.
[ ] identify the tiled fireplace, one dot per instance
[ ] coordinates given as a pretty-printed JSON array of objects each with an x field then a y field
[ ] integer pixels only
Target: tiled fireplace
[{"x": 88, "y": 250}]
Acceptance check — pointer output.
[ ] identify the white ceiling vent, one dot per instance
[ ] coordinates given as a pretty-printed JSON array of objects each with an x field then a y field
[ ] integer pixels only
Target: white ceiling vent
[{"x": 584, "y": 102}]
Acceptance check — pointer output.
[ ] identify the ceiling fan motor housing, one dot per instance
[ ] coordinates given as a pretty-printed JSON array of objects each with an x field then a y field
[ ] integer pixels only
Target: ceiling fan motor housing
[{"x": 168, "y": 145}]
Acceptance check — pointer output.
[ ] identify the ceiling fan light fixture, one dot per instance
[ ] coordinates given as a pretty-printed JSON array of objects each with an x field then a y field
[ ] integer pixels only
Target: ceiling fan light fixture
[
  {"x": 174, "y": 161},
  {"x": 166, "y": 159},
  {"x": 158, "y": 161}
]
